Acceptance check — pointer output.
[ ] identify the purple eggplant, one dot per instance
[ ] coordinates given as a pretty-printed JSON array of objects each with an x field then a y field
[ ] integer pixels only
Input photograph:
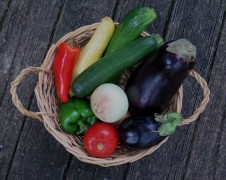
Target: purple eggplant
[
  {"x": 139, "y": 132},
  {"x": 153, "y": 84}
]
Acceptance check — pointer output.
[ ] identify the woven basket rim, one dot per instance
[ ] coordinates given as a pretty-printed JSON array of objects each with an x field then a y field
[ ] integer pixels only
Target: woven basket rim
[{"x": 47, "y": 104}]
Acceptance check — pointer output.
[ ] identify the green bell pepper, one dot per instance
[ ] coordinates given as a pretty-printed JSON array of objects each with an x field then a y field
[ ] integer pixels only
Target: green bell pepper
[{"x": 76, "y": 116}]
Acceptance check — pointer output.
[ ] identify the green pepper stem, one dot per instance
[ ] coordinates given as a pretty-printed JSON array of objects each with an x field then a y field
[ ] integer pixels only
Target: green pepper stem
[{"x": 72, "y": 42}]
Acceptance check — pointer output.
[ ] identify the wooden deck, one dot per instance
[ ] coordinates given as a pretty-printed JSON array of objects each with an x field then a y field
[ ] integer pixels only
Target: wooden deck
[{"x": 28, "y": 28}]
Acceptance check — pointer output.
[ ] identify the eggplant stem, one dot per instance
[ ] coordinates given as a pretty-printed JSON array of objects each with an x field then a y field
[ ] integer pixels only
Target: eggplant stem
[
  {"x": 183, "y": 49},
  {"x": 168, "y": 124}
]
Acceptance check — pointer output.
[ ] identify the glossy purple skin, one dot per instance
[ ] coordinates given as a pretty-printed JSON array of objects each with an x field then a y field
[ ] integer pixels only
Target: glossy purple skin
[
  {"x": 152, "y": 85},
  {"x": 139, "y": 132}
]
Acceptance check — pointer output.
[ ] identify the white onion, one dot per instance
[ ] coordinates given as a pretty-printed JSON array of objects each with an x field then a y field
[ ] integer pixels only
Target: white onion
[{"x": 109, "y": 102}]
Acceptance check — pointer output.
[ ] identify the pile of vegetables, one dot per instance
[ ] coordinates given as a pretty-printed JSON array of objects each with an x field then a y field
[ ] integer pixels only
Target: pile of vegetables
[{"x": 94, "y": 105}]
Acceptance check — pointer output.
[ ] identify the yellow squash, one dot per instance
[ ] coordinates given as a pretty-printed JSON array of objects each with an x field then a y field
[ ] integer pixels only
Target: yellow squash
[{"x": 96, "y": 46}]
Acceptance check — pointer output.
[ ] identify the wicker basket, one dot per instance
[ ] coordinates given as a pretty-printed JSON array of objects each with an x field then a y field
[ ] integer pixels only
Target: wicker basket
[{"x": 48, "y": 105}]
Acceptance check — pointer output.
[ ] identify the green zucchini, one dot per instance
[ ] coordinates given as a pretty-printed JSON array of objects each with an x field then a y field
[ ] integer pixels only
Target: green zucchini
[
  {"x": 105, "y": 69},
  {"x": 130, "y": 27}
]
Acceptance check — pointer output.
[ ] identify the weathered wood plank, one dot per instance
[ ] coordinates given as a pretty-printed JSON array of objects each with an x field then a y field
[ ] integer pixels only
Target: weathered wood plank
[
  {"x": 123, "y": 7},
  {"x": 174, "y": 154},
  {"x": 219, "y": 71},
  {"x": 3, "y": 8},
  {"x": 163, "y": 10},
  {"x": 26, "y": 30},
  {"x": 38, "y": 155},
  {"x": 73, "y": 15},
  {"x": 81, "y": 11},
  {"x": 116, "y": 172},
  {"x": 209, "y": 147},
  {"x": 19, "y": 150},
  {"x": 79, "y": 170},
  {"x": 202, "y": 27},
  {"x": 221, "y": 159}
]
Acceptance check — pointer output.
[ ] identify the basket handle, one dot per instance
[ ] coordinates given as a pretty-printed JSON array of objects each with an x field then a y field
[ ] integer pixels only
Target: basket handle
[
  {"x": 36, "y": 115},
  {"x": 204, "y": 102},
  {"x": 13, "y": 91}
]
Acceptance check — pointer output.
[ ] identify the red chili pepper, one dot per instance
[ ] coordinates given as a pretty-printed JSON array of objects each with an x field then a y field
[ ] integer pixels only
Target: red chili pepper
[{"x": 64, "y": 62}]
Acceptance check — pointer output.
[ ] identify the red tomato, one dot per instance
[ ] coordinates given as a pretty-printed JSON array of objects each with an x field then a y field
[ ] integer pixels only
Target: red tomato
[{"x": 101, "y": 139}]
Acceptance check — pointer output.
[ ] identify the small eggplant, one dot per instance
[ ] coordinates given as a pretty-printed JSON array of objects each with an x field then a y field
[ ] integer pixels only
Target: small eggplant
[
  {"x": 139, "y": 132},
  {"x": 153, "y": 84},
  {"x": 145, "y": 132}
]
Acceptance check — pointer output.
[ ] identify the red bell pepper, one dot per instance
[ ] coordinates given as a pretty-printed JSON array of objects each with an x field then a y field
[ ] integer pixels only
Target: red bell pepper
[{"x": 66, "y": 56}]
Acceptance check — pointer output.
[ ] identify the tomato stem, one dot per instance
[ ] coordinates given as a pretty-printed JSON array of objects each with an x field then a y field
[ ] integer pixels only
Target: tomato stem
[{"x": 100, "y": 146}]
